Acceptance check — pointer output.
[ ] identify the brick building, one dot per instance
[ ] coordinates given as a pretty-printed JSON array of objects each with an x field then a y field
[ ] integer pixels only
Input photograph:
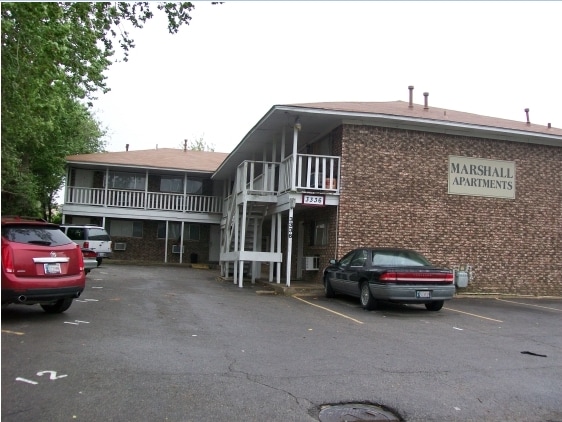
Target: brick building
[{"x": 311, "y": 181}]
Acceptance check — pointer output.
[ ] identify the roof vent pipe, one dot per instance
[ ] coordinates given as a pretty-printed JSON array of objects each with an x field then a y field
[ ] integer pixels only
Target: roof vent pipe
[
  {"x": 411, "y": 103},
  {"x": 549, "y": 126},
  {"x": 126, "y": 147},
  {"x": 185, "y": 145},
  {"x": 425, "y": 94},
  {"x": 527, "y": 113}
]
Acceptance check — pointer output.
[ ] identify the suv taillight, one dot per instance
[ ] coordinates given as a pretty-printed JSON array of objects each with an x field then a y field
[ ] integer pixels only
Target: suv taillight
[
  {"x": 80, "y": 258},
  {"x": 8, "y": 259},
  {"x": 86, "y": 245}
]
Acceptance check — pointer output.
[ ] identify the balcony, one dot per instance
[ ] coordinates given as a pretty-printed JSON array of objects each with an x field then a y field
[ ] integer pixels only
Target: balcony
[
  {"x": 142, "y": 200},
  {"x": 313, "y": 173}
]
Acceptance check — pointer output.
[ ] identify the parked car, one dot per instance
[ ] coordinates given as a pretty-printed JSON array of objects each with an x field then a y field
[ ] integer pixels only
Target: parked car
[
  {"x": 90, "y": 236},
  {"x": 90, "y": 259},
  {"x": 389, "y": 274},
  {"x": 40, "y": 265}
]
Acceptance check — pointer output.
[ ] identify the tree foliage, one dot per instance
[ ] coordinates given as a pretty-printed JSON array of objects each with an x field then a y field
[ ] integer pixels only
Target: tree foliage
[
  {"x": 198, "y": 144},
  {"x": 54, "y": 56}
]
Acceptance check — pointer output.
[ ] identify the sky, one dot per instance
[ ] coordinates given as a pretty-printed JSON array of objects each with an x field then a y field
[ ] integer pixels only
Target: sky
[{"x": 217, "y": 77}]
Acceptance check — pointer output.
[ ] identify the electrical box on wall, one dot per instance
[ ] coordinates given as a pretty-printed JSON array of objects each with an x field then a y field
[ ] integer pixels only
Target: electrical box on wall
[
  {"x": 311, "y": 263},
  {"x": 461, "y": 279}
]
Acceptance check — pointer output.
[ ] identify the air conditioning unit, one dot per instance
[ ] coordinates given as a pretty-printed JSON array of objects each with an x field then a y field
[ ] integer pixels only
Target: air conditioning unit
[
  {"x": 311, "y": 263},
  {"x": 119, "y": 246},
  {"x": 177, "y": 248}
]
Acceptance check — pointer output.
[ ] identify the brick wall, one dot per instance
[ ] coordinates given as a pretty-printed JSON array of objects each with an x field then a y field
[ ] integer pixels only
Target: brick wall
[
  {"x": 394, "y": 192},
  {"x": 151, "y": 249}
]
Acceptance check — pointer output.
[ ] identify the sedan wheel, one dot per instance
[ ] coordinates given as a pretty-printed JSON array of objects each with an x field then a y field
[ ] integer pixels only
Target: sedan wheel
[
  {"x": 367, "y": 300},
  {"x": 328, "y": 290},
  {"x": 434, "y": 306},
  {"x": 58, "y": 307}
]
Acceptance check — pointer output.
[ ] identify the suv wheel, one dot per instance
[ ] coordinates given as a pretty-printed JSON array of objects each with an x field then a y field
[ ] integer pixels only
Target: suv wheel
[
  {"x": 58, "y": 307},
  {"x": 99, "y": 261}
]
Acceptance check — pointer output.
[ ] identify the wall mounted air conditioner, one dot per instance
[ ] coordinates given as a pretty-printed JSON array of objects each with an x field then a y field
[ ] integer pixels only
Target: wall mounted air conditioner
[
  {"x": 119, "y": 246},
  {"x": 311, "y": 263},
  {"x": 177, "y": 248}
]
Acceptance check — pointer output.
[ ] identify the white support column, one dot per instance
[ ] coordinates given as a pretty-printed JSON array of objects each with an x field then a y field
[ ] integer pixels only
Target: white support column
[
  {"x": 256, "y": 248},
  {"x": 181, "y": 242},
  {"x": 296, "y": 129},
  {"x": 236, "y": 230},
  {"x": 272, "y": 244},
  {"x": 278, "y": 247},
  {"x": 242, "y": 240},
  {"x": 290, "y": 233},
  {"x": 166, "y": 243}
]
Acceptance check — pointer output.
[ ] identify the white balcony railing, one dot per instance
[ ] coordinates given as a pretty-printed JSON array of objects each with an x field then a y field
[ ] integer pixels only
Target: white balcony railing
[
  {"x": 143, "y": 200},
  {"x": 313, "y": 172}
]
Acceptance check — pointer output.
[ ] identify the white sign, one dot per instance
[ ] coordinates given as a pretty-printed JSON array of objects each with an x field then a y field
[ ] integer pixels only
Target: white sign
[
  {"x": 481, "y": 177},
  {"x": 313, "y": 199}
]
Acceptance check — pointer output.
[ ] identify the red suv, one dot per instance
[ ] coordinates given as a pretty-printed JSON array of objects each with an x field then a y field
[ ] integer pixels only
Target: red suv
[{"x": 40, "y": 265}]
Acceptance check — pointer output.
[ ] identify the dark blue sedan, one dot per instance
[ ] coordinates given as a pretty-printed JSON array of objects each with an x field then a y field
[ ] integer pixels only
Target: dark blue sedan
[{"x": 389, "y": 274}]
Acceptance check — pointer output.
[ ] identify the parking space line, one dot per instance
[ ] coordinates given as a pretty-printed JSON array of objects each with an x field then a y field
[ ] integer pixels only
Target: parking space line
[
  {"x": 327, "y": 309},
  {"x": 474, "y": 315},
  {"x": 17, "y": 333},
  {"x": 529, "y": 304}
]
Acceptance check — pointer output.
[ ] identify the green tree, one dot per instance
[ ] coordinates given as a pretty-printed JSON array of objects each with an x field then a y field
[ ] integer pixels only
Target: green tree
[
  {"x": 197, "y": 144},
  {"x": 53, "y": 60}
]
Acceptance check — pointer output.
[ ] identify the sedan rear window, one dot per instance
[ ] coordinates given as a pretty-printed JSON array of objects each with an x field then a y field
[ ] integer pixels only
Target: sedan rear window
[
  {"x": 399, "y": 258},
  {"x": 35, "y": 234}
]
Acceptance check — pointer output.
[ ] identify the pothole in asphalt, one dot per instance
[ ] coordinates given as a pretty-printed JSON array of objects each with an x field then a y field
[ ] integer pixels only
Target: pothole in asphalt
[{"x": 355, "y": 412}]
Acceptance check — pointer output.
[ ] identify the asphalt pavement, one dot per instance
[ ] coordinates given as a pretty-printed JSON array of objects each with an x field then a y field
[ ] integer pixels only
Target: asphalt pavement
[{"x": 173, "y": 343}]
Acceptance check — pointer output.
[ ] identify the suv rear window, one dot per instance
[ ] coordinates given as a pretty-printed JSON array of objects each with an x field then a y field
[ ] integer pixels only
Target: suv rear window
[
  {"x": 98, "y": 234},
  {"x": 35, "y": 234}
]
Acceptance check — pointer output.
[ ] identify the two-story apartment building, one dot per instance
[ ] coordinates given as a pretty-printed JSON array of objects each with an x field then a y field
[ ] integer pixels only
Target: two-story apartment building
[
  {"x": 158, "y": 205},
  {"x": 311, "y": 181}
]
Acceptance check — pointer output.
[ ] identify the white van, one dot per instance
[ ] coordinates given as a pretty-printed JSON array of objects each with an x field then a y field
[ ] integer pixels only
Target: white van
[{"x": 90, "y": 237}]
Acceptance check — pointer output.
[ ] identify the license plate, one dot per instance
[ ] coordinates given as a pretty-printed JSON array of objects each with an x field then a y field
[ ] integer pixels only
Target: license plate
[
  {"x": 52, "y": 268},
  {"x": 101, "y": 254},
  {"x": 423, "y": 294}
]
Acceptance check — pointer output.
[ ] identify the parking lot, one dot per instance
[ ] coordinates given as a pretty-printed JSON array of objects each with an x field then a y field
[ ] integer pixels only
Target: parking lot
[{"x": 169, "y": 343}]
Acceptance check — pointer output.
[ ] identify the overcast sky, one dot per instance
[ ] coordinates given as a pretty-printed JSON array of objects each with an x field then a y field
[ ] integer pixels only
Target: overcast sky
[{"x": 218, "y": 76}]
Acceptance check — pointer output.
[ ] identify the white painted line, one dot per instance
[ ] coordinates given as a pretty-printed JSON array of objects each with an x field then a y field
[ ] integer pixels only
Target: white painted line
[
  {"x": 474, "y": 315},
  {"x": 17, "y": 333},
  {"x": 27, "y": 381},
  {"x": 329, "y": 310},
  {"x": 529, "y": 304},
  {"x": 457, "y": 328}
]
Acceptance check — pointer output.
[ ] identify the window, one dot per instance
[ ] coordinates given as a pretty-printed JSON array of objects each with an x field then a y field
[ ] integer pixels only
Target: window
[
  {"x": 171, "y": 184},
  {"x": 194, "y": 186},
  {"x": 320, "y": 234},
  {"x": 190, "y": 231},
  {"x": 126, "y": 228},
  {"x": 122, "y": 180}
]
